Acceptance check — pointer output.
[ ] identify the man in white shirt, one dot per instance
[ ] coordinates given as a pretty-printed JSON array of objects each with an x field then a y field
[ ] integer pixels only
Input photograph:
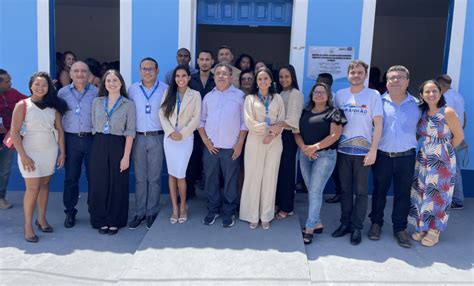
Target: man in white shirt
[
  {"x": 148, "y": 144},
  {"x": 455, "y": 101},
  {"x": 357, "y": 149}
]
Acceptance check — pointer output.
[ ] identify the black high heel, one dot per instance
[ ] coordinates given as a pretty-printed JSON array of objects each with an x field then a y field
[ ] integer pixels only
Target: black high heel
[{"x": 44, "y": 229}]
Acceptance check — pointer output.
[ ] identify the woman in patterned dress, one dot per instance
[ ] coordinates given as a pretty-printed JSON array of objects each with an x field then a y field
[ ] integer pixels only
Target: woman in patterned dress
[{"x": 440, "y": 132}]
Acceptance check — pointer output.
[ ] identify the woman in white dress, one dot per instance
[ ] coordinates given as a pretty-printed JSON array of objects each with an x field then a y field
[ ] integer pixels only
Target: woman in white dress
[
  {"x": 179, "y": 115},
  {"x": 38, "y": 151}
]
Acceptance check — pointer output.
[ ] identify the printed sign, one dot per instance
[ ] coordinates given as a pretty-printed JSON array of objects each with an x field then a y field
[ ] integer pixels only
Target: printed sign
[{"x": 333, "y": 60}]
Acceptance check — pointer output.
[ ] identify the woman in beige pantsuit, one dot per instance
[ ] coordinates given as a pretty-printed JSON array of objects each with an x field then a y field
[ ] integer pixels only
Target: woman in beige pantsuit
[{"x": 262, "y": 110}]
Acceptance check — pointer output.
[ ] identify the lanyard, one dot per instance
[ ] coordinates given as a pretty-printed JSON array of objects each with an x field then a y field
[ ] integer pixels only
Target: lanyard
[
  {"x": 267, "y": 103},
  {"x": 178, "y": 105},
  {"x": 108, "y": 114},
  {"x": 151, "y": 94},
  {"x": 81, "y": 95}
]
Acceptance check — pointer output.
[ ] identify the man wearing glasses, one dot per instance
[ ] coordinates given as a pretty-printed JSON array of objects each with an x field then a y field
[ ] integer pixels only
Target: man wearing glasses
[
  {"x": 223, "y": 131},
  {"x": 395, "y": 155},
  {"x": 148, "y": 144}
]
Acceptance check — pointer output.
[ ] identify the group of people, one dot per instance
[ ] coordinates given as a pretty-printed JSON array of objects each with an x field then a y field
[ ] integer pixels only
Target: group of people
[{"x": 228, "y": 124}]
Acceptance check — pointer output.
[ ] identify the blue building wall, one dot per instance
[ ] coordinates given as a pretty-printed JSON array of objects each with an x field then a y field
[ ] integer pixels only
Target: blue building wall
[
  {"x": 154, "y": 34},
  {"x": 333, "y": 23},
  {"x": 18, "y": 41}
]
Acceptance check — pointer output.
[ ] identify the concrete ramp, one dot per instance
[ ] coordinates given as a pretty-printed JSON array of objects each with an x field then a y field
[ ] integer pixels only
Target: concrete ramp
[{"x": 192, "y": 253}]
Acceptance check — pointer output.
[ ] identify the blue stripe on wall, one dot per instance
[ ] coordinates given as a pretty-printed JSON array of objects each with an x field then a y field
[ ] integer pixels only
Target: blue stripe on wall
[
  {"x": 19, "y": 45},
  {"x": 466, "y": 83},
  {"x": 333, "y": 23},
  {"x": 154, "y": 34}
]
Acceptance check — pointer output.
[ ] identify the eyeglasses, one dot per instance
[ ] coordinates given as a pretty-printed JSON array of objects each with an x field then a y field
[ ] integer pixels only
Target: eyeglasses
[
  {"x": 319, "y": 93},
  {"x": 396, "y": 77},
  {"x": 223, "y": 74},
  {"x": 148, "y": 70}
]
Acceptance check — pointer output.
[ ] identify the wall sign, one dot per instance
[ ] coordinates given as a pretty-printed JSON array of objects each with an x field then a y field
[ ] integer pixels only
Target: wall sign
[{"x": 333, "y": 60}]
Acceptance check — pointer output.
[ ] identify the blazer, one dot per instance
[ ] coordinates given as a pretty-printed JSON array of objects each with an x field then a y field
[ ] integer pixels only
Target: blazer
[{"x": 189, "y": 114}]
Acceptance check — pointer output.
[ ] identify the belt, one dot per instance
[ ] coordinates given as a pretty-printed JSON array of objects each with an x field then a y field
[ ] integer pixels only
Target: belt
[
  {"x": 80, "y": 134},
  {"x": 398, "y": 154},
  {"x": 151, "y": 133}
]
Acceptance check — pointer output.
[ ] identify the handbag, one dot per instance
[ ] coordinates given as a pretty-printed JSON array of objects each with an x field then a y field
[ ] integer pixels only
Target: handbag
[{"x": 7, "y": 140}]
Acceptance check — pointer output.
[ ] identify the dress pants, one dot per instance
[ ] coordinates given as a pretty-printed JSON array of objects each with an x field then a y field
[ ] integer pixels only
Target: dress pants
[
  {"x": 401, "y": 171},
  {"x": 213, "y": 165},
  {"x": 148, "y": 163},
  {"x": 354, "y": 180},
  {"x": 108, "y": 187},
  {"x": 77, "y": 151},
  {"x": 194, "y": 171},
  {"x": 285, "y": 194},
  {"x": 6, "y": 159}
]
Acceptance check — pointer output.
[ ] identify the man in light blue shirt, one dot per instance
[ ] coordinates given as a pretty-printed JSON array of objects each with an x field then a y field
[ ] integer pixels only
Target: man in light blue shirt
[
  {"x": 396, "y": 155},
  {"x": 77, "y": 124},
  {"x": 148, "y": 144},
  {"x": 455, "y": 101}
]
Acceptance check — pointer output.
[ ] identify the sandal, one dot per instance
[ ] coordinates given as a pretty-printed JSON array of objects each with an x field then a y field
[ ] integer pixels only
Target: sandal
[
  {"x": 174, "y": 219},
  {"x": 183, "y": 219},
  {"x": 253, "y": 225},
  {"x": 283, "y": 215},
  {"x": 431, "y": 239},
  {"x": 265, "y": 225},
  {"x": 418, "y": 235},
  {"x": 307, "y": 237}
]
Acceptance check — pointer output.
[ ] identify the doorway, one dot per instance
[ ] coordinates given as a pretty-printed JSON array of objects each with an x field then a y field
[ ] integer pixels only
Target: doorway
[
  {"x": 412, "y": 33},
  {"x": 89, "y": 28},
  {"x": 260, "y": 29}
]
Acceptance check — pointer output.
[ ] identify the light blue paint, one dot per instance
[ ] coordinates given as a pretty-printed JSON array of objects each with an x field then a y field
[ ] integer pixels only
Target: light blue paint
[
  {"x": 333, "y": 23},
  {"x": 466, "y": 82},
  {"x": 19, "y": 45},
  {"x": 154, "y": 34}
]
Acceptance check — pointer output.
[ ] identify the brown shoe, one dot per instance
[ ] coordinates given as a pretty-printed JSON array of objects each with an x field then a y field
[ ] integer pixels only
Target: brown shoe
[
  {"x": 4, "y": 204},
  {"x": 374, "y": 232},
  {"x": 402, "y": 239}
]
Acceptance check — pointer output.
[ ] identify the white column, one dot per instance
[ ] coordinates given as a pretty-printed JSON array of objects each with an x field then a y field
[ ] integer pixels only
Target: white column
[
  {"x": 367, "y": 32},
  {"x": 187, "y": 26},
  {"x": 42, "y": 12},
  {"x": 456, "y": 42},
  {"x": 298, "y": 37},
  {"x": 126, "y": 40}
]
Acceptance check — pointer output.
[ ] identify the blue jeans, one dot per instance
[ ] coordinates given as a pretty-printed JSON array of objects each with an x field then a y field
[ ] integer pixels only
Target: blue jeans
[
  {"x": 148, "y": 163},
  {"x": 6, "y": 159},
  {"x": 316, "y": 174},
  {"x": 458, "y": 194}
]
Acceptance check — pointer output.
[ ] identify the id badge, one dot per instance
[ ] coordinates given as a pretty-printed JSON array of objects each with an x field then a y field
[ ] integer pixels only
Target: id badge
[
  {"x": 148, "y": 109},
  {"x": 106, "y": 128},
  {"x": 77, "y": 111}
]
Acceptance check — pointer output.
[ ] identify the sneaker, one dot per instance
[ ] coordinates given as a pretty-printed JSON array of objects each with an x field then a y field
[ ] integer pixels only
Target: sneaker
[
  {"x": 150, "y": 220},
  {"x": 137, "y": 220},
  {"x": 228, "y": 221},
  {"x": 210, "y": 219},
  {"x": 456, "y": 206},
  {"x": 4, "y": 204}
]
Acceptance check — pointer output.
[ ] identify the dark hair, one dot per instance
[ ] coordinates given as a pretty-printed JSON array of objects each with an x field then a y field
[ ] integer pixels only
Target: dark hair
[
  {"x": 239, "y": 59},
  {"x": 103, "y": 91},
  {"x": 424, "y": 106},
  {"x": 244, "y": 72},
  {"x": 169, "y": 103},
  {"x": 94, "y": 66},
  {"x": 444, "y": 79},
  {"x": 294, "y": 80},
  {"x": 325, "y": 78},
  {"x": 271, "y": 89},
  {"x": 69, "y": 53},
  {"x": 224, "y": 47},
  {"x": 58, "y": 85},
  {"x": 207, "y": 52},
  {"x": 399, "y": 68},
  {"x": 51, "y": 98},
  {"x": 2, "y": 72},
  {"x": 326, "y": 87},
  {"x": 357, "y": 63},
  {"x": 149, "y": 59},
  {"x": 227, "y": 66}
]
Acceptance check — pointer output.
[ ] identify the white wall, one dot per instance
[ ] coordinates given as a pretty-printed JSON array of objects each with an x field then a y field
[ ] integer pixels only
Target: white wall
[
  {"x": 88, "y": 31},
  {"x": 417, "y": 43}
]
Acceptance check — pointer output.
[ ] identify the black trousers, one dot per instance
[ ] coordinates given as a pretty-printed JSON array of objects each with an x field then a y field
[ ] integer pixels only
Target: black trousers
[
  {"x": 78, "y": 151},
  {"x": 285, "y": 194},
  {"x": 400, "y": 170},
  {"x": 108, "y": 187},
  {"x": 354, "y": 180},
  {"x": 194, "y": 170}
]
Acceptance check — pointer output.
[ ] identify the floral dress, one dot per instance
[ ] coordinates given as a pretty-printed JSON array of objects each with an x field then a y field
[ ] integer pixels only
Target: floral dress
[{"x": 435, "y": 171}]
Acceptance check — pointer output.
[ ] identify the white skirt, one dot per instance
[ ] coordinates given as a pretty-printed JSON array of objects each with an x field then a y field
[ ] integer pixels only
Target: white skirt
[{"x": 177, "y": 155}]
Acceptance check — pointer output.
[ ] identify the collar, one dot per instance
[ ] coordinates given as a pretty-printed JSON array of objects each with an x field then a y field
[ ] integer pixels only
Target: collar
[
  {"x": 153, "y": 86},
  {"x": 72, "y": 86},
  {"x": 409, "y": 98}
]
